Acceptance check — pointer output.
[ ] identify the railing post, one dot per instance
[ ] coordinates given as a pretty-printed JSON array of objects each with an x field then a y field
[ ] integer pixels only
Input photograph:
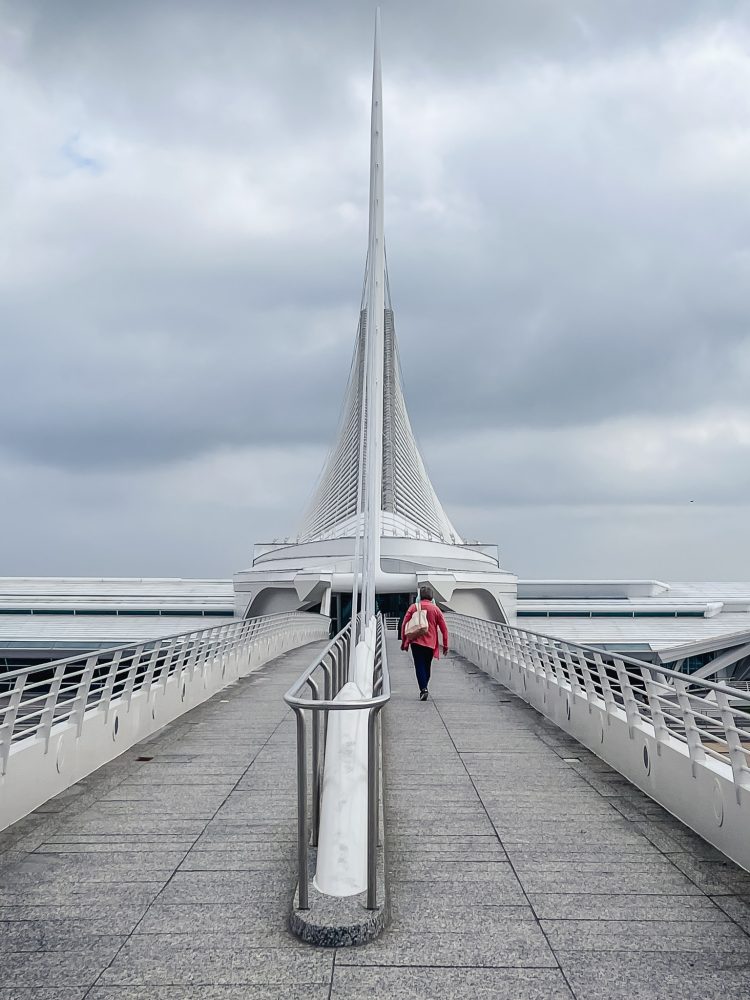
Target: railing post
[
  {"x": 738, "y": 756},
  {"x": 570, "y": 669},
  {"x": 661, "y": 730},
  {"x": 9, "y": 720},
  {"x": 630, "y": 703},
  {"x": 165, "y": 670},
  {"x": 316, "y": 782},
  {"x": 692, "y": 732},
  {"x": 50, "y": 703},
  {"x": 178, "y": 663},
  {"x": 544, "y": 661},
  {"x": 210, "y": 650},
  {"x": 192, "y": 662},
  {"x": 372, "y": 810},
  {"x": 148, "y": 677},
  {"x": 135, "y": 663},
  {"x": 609, "y": 698},
  {"x": 587, "y": 680},
  {"x": 338, "y": 669},
  {"x": 109, "y": 685},
  {"x": 327, "y": 696},
  {"x": 82, "y": 694},
  {"x": 533, "y": 655},
  {"x": 302, "y": 834},
  {"x": 518, "y": 654}
]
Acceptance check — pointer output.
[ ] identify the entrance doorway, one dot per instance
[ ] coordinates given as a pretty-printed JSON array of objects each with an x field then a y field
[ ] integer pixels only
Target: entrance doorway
[{"x": 393, "y": 607}]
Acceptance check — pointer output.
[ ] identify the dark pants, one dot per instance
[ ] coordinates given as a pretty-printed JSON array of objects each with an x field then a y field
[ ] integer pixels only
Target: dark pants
[{"x": 422, "y": 663}]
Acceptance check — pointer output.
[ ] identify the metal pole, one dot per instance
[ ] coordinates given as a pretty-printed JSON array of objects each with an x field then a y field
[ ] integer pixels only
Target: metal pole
[
  {"x": 372, "y": 811},
  {"x": 316, "y": 783},
  {"x": 301, "y": 809},
  {"x": 327, "y": 670}
]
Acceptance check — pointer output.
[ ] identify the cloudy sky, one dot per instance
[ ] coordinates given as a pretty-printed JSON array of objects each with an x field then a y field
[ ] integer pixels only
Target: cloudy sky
[{"x": 183, "y": 195}]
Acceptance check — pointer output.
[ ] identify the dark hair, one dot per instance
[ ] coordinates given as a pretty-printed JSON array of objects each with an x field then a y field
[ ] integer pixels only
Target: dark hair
[{"x": 426, "y": 592}]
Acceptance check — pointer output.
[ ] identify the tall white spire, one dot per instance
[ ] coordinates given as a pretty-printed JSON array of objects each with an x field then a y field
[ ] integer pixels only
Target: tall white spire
[
  {"x": 375, "y": 481},
  {"x": 372, "y": 426}
]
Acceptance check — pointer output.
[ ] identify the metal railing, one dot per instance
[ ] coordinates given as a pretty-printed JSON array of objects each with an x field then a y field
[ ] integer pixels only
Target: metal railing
[
  {"x": 35, "y": 699},
  {"x": 331, "y": 668},
  {"x": 708, "y": 720}
]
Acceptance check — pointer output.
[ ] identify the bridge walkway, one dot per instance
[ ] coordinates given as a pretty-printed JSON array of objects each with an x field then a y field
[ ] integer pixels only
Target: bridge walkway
[{"x": 521, "y": 866}]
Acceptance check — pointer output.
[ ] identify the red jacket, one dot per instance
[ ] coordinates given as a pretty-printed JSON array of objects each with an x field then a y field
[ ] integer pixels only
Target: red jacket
[{"x": 435, "y": 621}]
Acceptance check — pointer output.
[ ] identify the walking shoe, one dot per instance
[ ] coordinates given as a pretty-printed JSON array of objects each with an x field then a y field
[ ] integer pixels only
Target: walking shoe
[{"x": 423, "y": 694}]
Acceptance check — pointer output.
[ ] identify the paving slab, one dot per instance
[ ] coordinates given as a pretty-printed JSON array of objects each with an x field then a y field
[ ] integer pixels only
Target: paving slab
[
  {"x": 737, "y": 908},
  {"x": 592, "y": 906},
  {"x": 646, "y": 976},
  {"x": 182, "y": 959},
  {"x": 44, "y": 993},
  {"x": 267, "y": 991},
  {"x": 458, "y": 984},
  {"x": 516, "y": 942},
  {"x": 686, "y": 937}
]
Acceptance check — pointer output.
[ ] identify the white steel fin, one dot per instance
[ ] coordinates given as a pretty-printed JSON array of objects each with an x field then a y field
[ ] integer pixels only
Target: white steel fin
[{"x": 375, "y": 452}]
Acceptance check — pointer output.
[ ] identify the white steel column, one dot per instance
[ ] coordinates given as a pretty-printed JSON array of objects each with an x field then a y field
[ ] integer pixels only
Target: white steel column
[
  {"x": 341, "y": 868},
  {"x": 375, "y": 342}
]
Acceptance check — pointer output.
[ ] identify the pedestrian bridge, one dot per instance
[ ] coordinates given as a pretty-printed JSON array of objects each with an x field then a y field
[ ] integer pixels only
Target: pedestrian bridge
[{"x": 519, "y": 862}]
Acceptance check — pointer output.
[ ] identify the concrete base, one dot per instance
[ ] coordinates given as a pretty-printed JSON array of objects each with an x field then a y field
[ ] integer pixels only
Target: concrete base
[{"x": 339, "y": 921}]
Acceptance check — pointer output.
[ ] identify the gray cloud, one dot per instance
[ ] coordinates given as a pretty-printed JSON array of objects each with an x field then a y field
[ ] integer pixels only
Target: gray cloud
[{"x": 184, "y": 212}]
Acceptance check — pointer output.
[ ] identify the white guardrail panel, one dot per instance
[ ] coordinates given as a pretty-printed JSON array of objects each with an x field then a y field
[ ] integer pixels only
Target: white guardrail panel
[
  {"x": 684, "y": 742},
  {"x": 60, "y": 721}
]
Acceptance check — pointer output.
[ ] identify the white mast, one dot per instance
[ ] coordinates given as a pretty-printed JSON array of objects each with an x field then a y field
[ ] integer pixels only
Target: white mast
[{"x": 375, "y": 311}]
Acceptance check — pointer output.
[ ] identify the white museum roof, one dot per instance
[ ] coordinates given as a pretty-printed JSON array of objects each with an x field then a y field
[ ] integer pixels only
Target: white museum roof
[
  {"x": 638, "y": 613},
  {"x": 67, "y": 632},
  {"x": 114, "y": 592},
  {"x": 653, "y": 633},
  {"x": 101, "y": 612},
  {"x": 105, "y": 611}
]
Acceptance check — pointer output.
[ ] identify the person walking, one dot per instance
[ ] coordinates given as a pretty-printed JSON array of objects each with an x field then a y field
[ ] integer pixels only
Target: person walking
[{"x": 426, "y": 646}]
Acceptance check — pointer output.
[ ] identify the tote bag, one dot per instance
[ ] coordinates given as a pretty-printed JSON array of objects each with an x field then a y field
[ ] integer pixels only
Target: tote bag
[{"x": 418, "y": 625}]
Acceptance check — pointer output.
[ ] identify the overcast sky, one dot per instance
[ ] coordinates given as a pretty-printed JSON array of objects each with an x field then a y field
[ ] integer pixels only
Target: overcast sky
[{"x": 183, "y": 223}]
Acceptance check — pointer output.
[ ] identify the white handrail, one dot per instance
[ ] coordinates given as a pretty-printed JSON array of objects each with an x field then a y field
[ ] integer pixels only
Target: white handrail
[
  {"x": 93, "y": 706},
  {"x": 684, "y": 741}
]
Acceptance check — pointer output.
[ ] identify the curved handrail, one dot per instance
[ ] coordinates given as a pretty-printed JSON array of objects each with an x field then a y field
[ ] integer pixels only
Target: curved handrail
[
  {"x": 333, "y": 662},
  {"x": 610, "y": 654},
  {"x": 706, "y": 718},
  {"x": 147, "y": 643},
  {"x": 294, "y": 699},
  {"x": 34, "y": 699}
]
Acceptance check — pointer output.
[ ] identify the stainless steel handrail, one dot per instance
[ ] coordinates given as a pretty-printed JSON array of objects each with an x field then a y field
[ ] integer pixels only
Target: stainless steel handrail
[{"x": 334, "y": 664}]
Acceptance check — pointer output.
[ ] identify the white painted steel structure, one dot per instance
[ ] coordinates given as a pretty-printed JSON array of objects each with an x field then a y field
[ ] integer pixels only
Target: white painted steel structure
[
  {"x": 59, "y": 721},
  {"x": 684, "y": 743},
  {"x": 410, "y": 507},
  {"x": 349, "y": 769},
  {"x": 374, "y": 501},
  {"x": 345, "y": 816},
  {"x": 375, "y": 465}
]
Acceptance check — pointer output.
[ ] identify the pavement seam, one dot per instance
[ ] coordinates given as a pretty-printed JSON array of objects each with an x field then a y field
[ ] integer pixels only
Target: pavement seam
[{"x": 333, "y": 973}]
